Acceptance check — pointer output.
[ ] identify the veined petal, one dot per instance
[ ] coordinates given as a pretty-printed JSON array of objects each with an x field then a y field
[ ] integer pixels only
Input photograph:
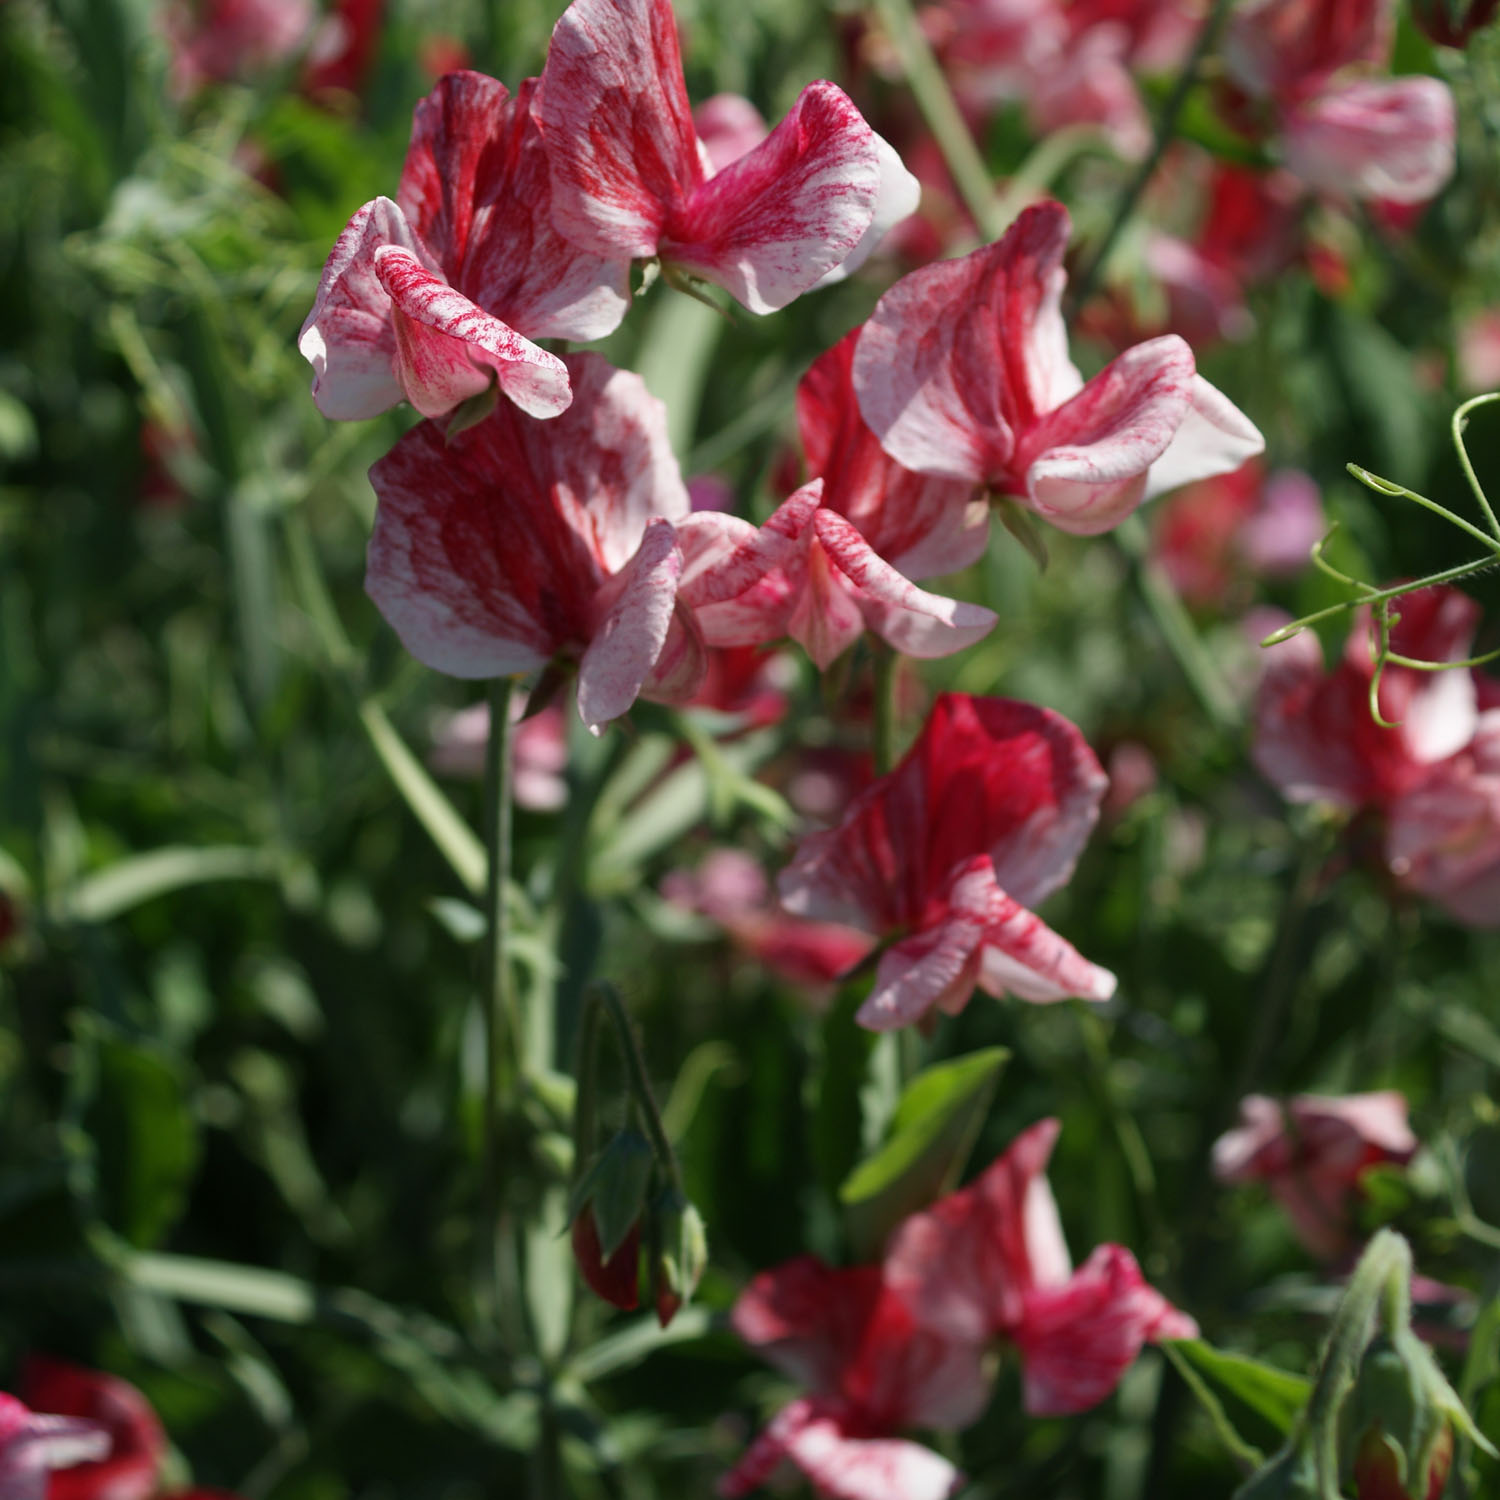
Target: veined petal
[
  {"x": 446, "y": 347},
  {"x": 896, "y": 198},
  {"x": 1023, "y": 957},
  {"x": 637, "y": 607},
  {"x": 1077, "y": 1340},
  {"x": 614, "y": 115},
  {"x": 1215, "y": 437},
  {"x": 1085, "y": 463},
  {"x": 348, "y": 338},
  {"x": 477, "y": 187},
  {"x": 826, "y": 618},
  {"x": 769, "y": 226},
  {"x": 935, "y": 968},
  {"x": 849, "y": 1468},
  {"x": 915, "y": 622},
  {"x": 959, "y": 358},
  {"x": 679, "y": 671}
]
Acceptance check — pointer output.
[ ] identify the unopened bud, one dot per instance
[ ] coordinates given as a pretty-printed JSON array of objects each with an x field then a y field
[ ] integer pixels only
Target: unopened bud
[
  {"x": 606, "y": 1209},
  {"x": 679, "y": 1253}
]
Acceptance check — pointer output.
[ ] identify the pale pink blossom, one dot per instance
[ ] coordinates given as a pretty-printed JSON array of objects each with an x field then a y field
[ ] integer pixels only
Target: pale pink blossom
[
  {"x": 963, "y": 372},
  {"x": 33, "y": 1445},
  {"x": 984, "y": 816},
  {"x": 632, "y": 181},
  {"x": 870, "y": 1372},
  {"x": 731, "y": 888},
  {"x": 518, "y": 542},
  {"x": 223, "y": 40},
  {"x": 438, "y": 295},
  {"x": 539, "y": 749},
  {"x": 729, "y": 126},
  {"x": 989, "y": 1262},
  {"x": 1479, "y": 353},
  {"x": 1390, "y": 139},
  {"x": 1290, "y": 48},
  {"x": 1315, "y": 737},
  {"x": 1311, "y": 1152},
  {"x": 1443, "y": 838}
]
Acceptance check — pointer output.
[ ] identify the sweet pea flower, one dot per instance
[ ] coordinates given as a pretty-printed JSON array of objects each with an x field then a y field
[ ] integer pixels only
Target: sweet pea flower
[
  {"x": 1315, "y": 738},
  {"x": 519, "y": 542},
  {"x": 632, "y": 181},
  {"x": 869, "y": 1370},
  {"x": 989, "y": 1262},
  {"x": 837, "y": 558},
  {"x": 1289, "y": 49},
  {"x": 129, "y": 1466},
  {"x": 35, "y": 1447},
  {"x": 223, "y": 40},
  {"x": 963, "y": 372},
  {"x": 1311, "y": 1152},
  {"x": 436, "y": 297},
  {"x": 984, "y": 816},
  {"x": 1443, "y": 838},
  {"x": 539, "y": 752},
  {"x": 730, "y": 888}
]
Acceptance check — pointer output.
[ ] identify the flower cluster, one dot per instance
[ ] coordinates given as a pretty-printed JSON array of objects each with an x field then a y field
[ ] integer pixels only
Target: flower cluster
[{"x": 880, "y": 1348}]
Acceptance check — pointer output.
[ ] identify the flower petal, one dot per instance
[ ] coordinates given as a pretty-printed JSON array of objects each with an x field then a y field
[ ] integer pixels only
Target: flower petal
[
  {"x": 445, "y": 346},
  {"x": 1215, "y": 437},
  {"x": 614, "y": 115},
  {"x": 896, "y": 199},
  {"x": 960, "y": 357},
  {"x": 769, "y": 226},
  {"x": 849, "y": 1468},
  {"x": 1077, "y": 1340},
  {"x": 1085, "y": 463},
  {"x": 477, "y": 187},
  {"x": 348, "y": 338}
]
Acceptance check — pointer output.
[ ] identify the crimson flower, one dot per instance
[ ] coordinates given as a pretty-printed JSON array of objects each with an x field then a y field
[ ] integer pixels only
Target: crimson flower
[
  {"x": 989, "y": 1261},
  {"x": 963, "y": 372},
  {"x": 870, "y": 1371},
  {"x": 34, "y": 1446},
  {"x": 519, "y": 541},
  {"x": 632, "y": 181},
  {"x": 617, "y": 1279},
  {"x": 1311, "y": 1152},
  {"x": 433, "y": 297},
  {"x": 130, "y": 1466},
  {"x": 984, "y": 816}
]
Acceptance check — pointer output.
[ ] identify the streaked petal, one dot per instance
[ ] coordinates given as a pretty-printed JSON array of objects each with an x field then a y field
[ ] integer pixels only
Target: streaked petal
[
  {"x": 637, "y": 606},
  {"x": 770, "y": 225},
  {"x": 1085, "y": 463},
  {"x": 1215, "y": 437},
  {"x": 446, "y": 347},
  {"x": 896, "y": 198},
  {"x": 614, "y": 115},
  {"x": 849, "y": 1468}
]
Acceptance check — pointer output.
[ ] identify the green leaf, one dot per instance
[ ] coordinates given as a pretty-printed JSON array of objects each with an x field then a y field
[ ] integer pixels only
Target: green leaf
[
  {"x": 146, "y": 1138},
  {"x": 110, "y": 892},
  {"x": 1276, "y": 1395},
  {"x": 930, "y": 1137}
]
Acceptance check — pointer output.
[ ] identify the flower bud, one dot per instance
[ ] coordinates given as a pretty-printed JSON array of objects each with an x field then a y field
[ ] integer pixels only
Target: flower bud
[
  {"x": 606, "y": 1214},
  {"x": 1450, "y": 23},
  {"x": 679, "y": 1253}
]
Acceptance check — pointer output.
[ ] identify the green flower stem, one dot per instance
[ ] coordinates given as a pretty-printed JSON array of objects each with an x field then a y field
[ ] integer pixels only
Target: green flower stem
[
  {"x": 500, "y": 1027},
  {"x": 935, "y": 100},
  {"x": 887, "y": 685},
  {"x": 1177, "y": 629},
  {"x": 1166, "y": 131},
  {"x": 1460, "y": 421}
]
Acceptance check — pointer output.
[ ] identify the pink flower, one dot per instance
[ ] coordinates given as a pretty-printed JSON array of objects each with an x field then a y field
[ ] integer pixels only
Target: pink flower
[
  {"x": 1090, "y": 84},
  {"x": 989, "y": 1261},
  {"x": 1159, "y": 33},
  {"x": 729, "y": 126},
  {"x": 130, "y": 1466},
  {"x": 870, "y": 1371},
  {"x": 35, "y": 1447},
  {"x": 344, "y": 47},
  {"x": 731, "y": 888},
  {"x": 228, "y": 39},
  {"x": 519, "y": 542},
  {"x": 632, "y": 181},
  {"x": 963, "y": 372},
  {"x": 1390, "y": 139},
  {"x": 985, "y": 815},
  {"x": 539, "y": 747},
  {"x": 437, "y": 296},
  {"x": 1311, "y": 1151},
  {"x": 1290, "y": 48},
  {"x": 1314, "y": 736},
  {"x": 1479, "y": 352},
  {"x": 1443, "y": 838}
]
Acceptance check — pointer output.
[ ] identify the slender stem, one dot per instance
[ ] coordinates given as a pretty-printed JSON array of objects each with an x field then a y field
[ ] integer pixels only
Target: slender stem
[
  {"x": 496, "y": 1000},
  {"x": 1460, "y": 421},
  {"x": 1246, "y": 1455},
  {"x": 1166, "y": 131},
  {"x": 1177, "y": 629},
  {"x": 1386, "y": 487},
  {"x": 602, "y": 994},
  {"x": 887, "y": 673},
  {"x": 949, "y": 129}
]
